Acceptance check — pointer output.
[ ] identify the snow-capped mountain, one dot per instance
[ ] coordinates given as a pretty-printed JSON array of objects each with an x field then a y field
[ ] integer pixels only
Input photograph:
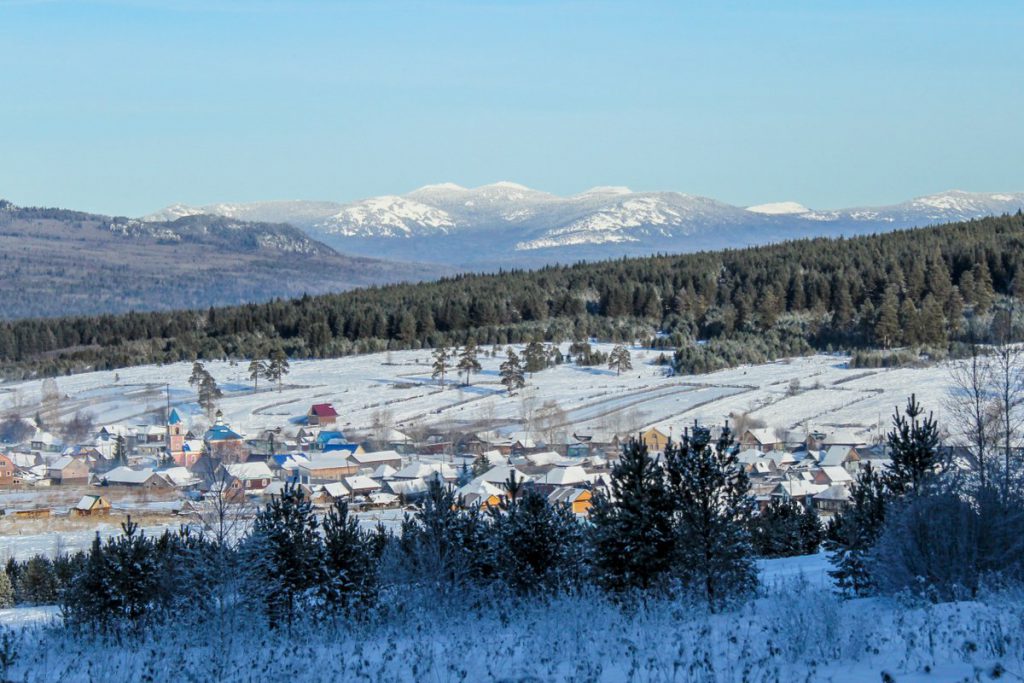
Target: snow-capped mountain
[{"x": 507, "y": 222}]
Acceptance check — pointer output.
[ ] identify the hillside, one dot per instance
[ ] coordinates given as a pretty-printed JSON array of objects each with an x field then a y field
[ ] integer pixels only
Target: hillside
[
  {"x": 507, "y": 224},
  {"x": 56, "y": 261},
  {"x": 906, "y": 288}
]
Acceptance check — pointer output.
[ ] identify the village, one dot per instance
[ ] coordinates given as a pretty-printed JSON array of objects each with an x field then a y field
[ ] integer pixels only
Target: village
[{"x": 179, "y": 469}]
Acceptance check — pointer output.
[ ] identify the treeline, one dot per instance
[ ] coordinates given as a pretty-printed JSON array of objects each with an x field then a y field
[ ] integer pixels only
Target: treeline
[{"x": 904, "y": 288}]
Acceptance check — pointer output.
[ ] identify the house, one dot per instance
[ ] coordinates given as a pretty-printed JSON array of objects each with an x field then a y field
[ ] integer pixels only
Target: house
[
  {"x": 143, "y": 478},
  {"x": 6, "y": 471},
  {"x": 423, "y": 470},
  {"x": 276, "y": 488},
  {"x": 799, "y": 490},
  {"x": 832, "y": 501},
  {"x": 564, "y": 474},
  {"x": 327, "y": 467},
  {"x": 832, "y": 475},
  {"x": 190, "y": 454},
  {"x": 480, "y": 494},
  {"x": 841, "y": 456},
  {"x": 328, "y": 494},
  {"x": 361, "y": 485},
  {"x": 253, "y": 476},
  {"x": 91, "y": 506},
  {"x": 322, "y": 415},
  {"x": 377, "y": 459},
  {"x": 762, "y": 439},
  {"x": 578, "y": 500},
  {"x": 46, "y": 442},
  {"x": 654, "y": 439},
  {"x": 68, "y": 470}
]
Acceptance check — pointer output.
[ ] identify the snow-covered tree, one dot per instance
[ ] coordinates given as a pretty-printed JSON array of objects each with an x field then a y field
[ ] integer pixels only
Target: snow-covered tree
[
  {"x": 535, "y": 357},
  {"x": 710, "y": 490},
  {"x": 350, "y": 565},
  {"x": 6, "y": 591},
  {"x": 631, "y": 536},
  {"x": 285, "y": 555},
  {"x": 850, "y": 536},
  {"x": 785, "y": 528}
]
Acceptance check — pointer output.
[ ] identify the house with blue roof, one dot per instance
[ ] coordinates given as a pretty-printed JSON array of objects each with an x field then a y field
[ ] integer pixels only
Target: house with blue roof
[{"x": 223, "y": 443}]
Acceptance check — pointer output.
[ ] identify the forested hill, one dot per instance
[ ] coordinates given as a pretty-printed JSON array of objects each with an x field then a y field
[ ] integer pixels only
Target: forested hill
[
  {"x": 54, "y": 260},
  {"x": 905, "y": 288}
]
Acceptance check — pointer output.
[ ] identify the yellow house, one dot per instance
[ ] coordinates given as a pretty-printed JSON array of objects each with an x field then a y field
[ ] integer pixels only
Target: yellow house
[
  {"x": 578, "y": 500},
  {"x": 654, "y": 439}
]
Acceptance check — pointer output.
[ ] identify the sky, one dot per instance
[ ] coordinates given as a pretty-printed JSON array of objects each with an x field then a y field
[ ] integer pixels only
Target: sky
[{"x": 123, "y": 107}]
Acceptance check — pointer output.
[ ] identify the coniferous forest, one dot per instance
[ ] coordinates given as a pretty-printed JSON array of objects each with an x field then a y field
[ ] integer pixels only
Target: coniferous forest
[{"x": 912, "y": 288}]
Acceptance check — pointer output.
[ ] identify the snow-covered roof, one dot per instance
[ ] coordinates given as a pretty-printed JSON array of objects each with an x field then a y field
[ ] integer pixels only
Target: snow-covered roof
[
  {"x": 376, "y": 457},
  {"x": 179, "y": 476},
  {"x": 801, "y": 487},
  {"x": 834, "y": 492},
  {"x": 481, "y": 488},
  {"x": 545, "y": 458},
  {"x": 565, "y": 476},
  {"x": 246, "y": 471},
  {"x": 499, "y": 474},
  {"x": 324, "y": 461},
  {"x": 763, "y": 435},
  {"x": 126, "y": 475},
  {"x": 88, "y": 502},
  {"x": 385, "y": 471},
  {"x": 835, "y": 455},
  {"x": 336, "y": 489},
  {"x": 361, "y": 483},
  {"x": 422, "y": 470},
  {"x": 843, "y": 437},
  {"x": 837, "y": 475},
  {"x": 750, "y": 455}
]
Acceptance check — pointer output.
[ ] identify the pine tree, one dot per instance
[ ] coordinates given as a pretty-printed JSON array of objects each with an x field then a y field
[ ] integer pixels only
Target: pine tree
[
  {"x": 511, "y": 372},
  {"x": 534, "y": 357},
  {"x": 6, "y": 591},
  {"x": 619, "y": 360},
  {"x": 536, "y": 546},
  {"x": 350, "y": 565},
  {"x": 90, "y": 600},
  {"x": 277, "y": 367},
  {"x": 37, "y": 584},
  {"x": 440, "y": 368},
  {"x": 134, "y": 573},
  {"x": 468, "y": 362},
  {"x": 209, "y": 393},
  {"x": 285, "y": 554},
  {"x": 198, "y": 373},
  {"x": 631, "y": 533},
  {"x": 711, "y": 494},
  {"x": 851, "y": 535},
  {"x": 257, "y": 369},
  {"x": 481, "y": 465},
  {"x": 913, "y": 446}
]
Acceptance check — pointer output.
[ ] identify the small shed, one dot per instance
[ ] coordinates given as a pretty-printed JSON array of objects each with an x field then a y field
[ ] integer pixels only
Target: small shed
[{"x": 91, "y": 506}]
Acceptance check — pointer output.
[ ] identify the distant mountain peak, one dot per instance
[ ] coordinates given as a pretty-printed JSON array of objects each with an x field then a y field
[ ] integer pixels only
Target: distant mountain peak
[{"x": 779, "y": 208}]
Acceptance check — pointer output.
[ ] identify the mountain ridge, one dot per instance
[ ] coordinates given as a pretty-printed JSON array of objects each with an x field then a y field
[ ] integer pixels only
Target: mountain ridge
[{"x": 507, "y": 221}]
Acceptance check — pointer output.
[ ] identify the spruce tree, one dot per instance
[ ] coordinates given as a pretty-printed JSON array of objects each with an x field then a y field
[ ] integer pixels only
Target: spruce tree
[
  {"x": 711, "y": 493},
  {"x": 631, "y": 532},
  {"x": 913, "y": 446},
  {"x": 887, "y": 325}
]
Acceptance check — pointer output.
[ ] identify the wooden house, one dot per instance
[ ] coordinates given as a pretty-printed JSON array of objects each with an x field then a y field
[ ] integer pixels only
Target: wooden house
[
  {"x": 7, "y": 470},
  {"x": 91, "y": 506},
  {"x": 322, "y": 415},
  {"x": 68, "y": 470},
  {"x": 578, "y": 500},
  {"x": 762, "y": 439},
  {"x": 655, "y": 439}
]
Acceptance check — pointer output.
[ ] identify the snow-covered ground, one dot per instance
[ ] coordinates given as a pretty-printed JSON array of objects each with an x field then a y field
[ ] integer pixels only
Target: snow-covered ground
[
  {"x": 399, "y": 384},
  {"x": 796, "y": 630}
]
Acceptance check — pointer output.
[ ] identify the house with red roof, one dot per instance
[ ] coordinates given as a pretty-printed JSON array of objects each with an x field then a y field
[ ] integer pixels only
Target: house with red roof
[{"x": 322, "y": 415}]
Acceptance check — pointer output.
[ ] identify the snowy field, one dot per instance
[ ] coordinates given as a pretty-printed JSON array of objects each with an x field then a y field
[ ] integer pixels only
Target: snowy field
[
  {"x": 796, "y": 630},
  {"x": 399, "y": 386}
]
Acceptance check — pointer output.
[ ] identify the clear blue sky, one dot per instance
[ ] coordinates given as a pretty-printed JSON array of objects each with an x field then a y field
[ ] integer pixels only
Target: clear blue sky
[{"x": 124, "y": 107}]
